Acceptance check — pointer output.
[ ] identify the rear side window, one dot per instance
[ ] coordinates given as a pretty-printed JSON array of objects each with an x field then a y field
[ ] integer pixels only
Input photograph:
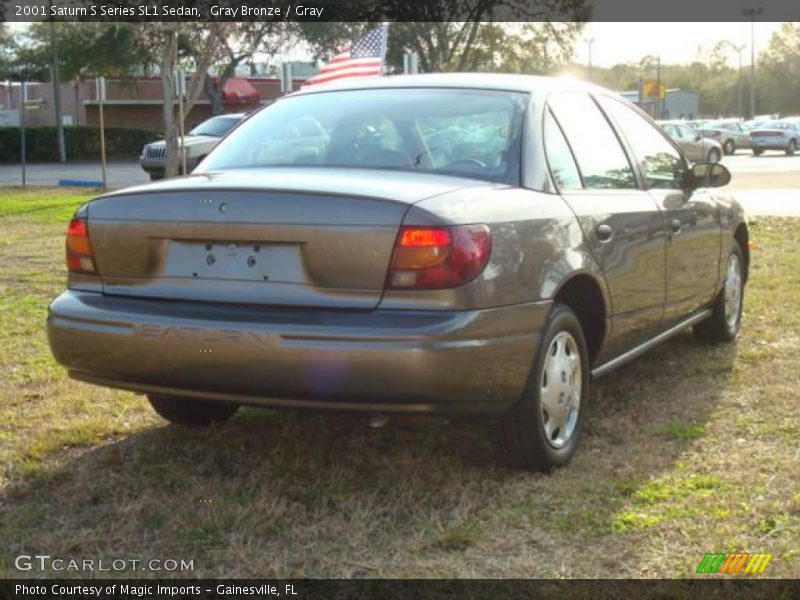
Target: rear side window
[
  {"x": 662, "y": 165},
  {"x": 599, "y": 154},
  {"x": 559, "y": 156}
]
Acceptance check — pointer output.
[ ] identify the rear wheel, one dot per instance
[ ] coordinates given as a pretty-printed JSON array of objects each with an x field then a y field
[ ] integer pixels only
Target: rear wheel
[
  {"x": 758, "y": 152},
  {"x": 541, "y": 431},
  {"x": 730, "y": 147},
  {"x": 713, "y": 155},
  {"x": 790, "y": 149},
  {"x": 190, "y": 411},
  {"x": 723, "y": 324}
]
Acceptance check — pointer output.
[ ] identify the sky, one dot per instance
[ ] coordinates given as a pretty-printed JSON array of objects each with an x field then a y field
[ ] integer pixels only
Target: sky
[
  {"x": 628, "y": 42},
  {"x": 677, "y": 43}
]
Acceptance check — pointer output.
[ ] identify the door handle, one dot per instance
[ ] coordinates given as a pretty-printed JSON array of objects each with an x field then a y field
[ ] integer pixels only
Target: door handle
[
  {"x": 604, "y": 232},
  {"x": 676, "y": 226}
]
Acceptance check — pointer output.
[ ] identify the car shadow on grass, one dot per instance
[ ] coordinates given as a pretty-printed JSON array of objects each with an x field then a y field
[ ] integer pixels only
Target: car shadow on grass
[{"x": 275, "y": 494}]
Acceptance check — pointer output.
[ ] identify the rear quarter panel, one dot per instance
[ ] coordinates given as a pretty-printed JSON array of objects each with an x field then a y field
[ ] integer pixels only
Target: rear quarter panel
[{"x": 537, "y": 245}]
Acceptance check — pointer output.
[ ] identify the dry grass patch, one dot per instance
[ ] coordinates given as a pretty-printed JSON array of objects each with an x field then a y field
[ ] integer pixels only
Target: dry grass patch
[{"x": 692, "y": 448}]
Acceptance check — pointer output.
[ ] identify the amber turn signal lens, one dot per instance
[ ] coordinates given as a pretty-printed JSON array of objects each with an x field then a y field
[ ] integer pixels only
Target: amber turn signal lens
[{"x": 79, "y": 249}]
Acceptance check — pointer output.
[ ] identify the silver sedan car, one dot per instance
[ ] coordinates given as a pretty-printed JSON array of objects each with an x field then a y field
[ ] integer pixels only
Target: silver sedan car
[
  {"x": 775, "y": 135},
  {"x": 695, "y": 146},
  {"x": 465, "y": 245}
]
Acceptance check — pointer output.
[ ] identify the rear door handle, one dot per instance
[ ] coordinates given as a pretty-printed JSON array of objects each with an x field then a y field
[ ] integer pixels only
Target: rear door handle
[{"x": 604, "y": 232}]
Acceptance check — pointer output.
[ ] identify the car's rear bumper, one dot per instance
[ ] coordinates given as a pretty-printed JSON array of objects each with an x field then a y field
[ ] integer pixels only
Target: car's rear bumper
[
  {"x": 769, "y": 144},
  {"x": 457, "y": 363}
]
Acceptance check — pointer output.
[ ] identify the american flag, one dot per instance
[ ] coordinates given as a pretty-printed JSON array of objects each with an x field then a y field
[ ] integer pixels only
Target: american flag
[{"x": 363, "y": 58}]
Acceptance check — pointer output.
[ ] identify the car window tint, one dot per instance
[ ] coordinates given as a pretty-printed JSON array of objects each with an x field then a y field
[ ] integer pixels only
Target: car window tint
[
  {"x": 559, "y": 156},
  {"x": 661, "y": 163},
  {"x": 600, "y": 157}
]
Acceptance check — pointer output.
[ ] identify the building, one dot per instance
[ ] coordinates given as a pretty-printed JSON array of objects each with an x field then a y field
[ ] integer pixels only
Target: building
[
  {"x": 677, "y": 104},
  {"x": 135, "y": 103}
]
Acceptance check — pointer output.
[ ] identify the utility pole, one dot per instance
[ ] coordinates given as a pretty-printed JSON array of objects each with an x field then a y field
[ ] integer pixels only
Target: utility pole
[
  {"x": 739, "y": 92},
  {"x": 589, "y": 42},
  {"x": 659, "y": 107},
  {"x": 62, "y": 152},
  {"x": 753, "y": 13}
]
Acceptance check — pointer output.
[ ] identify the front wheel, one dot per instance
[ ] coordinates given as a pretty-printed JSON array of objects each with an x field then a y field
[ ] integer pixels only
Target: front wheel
[
  {"x": 541, "y": 431},
  {"x": 191, "y": 411},
  {"x": 730, "y": 147},
  {"x": 790, "y": 149},
  {"x": 726, "y": 317}
]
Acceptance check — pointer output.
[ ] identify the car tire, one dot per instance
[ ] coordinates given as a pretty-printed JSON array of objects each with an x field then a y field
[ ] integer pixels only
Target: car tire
[
  {"x": 726, "y": 317},
  {"x": 713, "y": 155},
  {"x": 730, "y": 147},
  {"x": 528, "y": 436},
  {"x": 191, "y": 411},
  {"x": 790, "y": 149},
  {"x": 758, "y": 152}
]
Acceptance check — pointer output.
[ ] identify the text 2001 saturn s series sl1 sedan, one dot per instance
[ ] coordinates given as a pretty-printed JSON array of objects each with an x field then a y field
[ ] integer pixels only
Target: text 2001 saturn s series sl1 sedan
[{"x": 465, "y": 245}]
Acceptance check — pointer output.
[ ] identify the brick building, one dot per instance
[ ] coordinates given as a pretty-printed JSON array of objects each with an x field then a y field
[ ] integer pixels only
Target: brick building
[{"x": 130, "y": 103}]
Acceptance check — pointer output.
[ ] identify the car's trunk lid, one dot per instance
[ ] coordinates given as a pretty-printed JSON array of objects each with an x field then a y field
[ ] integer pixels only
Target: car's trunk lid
[{"x": 279, "y": 237}]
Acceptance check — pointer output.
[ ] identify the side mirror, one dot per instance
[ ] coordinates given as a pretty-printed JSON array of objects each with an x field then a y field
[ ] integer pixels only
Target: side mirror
[{"x": 706, "y": 174}]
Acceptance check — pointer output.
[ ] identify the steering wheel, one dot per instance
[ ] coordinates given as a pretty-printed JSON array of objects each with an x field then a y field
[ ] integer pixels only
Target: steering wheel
[{"x": 470, "y": 162}]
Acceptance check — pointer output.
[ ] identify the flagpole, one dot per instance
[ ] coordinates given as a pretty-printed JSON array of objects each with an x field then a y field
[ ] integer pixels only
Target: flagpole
[{"x": 383, "y": 47}]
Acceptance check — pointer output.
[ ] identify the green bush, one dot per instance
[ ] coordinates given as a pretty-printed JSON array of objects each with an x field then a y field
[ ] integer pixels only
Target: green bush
[{"x": 82, "y": 143}]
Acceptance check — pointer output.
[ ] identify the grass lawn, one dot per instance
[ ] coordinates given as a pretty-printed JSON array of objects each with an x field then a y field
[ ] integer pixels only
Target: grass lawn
[{"x": 690, "y": 449}]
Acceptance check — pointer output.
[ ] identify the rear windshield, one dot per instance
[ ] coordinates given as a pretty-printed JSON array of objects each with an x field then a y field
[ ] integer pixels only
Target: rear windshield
[
  {"x": 472, "y": 133},
  {"x": 216, "y": 126}
]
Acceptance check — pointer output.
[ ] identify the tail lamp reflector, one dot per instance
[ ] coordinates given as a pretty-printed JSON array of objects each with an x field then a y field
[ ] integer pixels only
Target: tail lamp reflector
[{"x": 439, "y": 257}]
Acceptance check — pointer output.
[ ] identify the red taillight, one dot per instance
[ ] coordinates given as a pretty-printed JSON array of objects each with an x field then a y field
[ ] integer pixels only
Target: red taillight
[
  {"x": 430, "y": 258},
  {"x": 79, "y": 250}
]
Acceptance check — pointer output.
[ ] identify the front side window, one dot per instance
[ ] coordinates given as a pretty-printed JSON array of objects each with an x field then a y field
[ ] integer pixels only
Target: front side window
[
  {"x": 470, "y": 133},
  {"x": 598, "y": 152},
  {"x": 662, "y": 165},
  {"x": 686, "y": 133}
]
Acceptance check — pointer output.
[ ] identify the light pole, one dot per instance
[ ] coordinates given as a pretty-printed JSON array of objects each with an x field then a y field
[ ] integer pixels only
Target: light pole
[
  {"x": 62, "y": 152},
  {"x": 589, "y": 42},
  {"x": 739, "y": 91},
  {"x": 753, "y": 13},
  {"x": 738, "y": 49}
]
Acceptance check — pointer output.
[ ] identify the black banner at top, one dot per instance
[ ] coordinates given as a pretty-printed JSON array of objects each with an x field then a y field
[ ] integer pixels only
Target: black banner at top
[{"x": 400, "y": 10}]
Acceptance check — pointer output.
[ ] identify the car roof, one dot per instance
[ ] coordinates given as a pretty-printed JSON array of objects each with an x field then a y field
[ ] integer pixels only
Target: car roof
[{"x": 486, "y": 81}]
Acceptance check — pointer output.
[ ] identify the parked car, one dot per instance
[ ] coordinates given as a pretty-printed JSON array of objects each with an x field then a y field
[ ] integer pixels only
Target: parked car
[
  {"x": 694, "y": 145},
  {"x": 775, "y": 135},
  {"x": 376, "y": 271},
  {"x": 732, "y": 134},
  {"x": 198, "y": 143}
]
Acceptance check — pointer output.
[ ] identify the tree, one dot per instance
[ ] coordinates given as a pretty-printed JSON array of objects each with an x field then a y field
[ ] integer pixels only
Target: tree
[
  {"x": 240, "y": 43},
  {"x": 164, "y": 37},
  {"x": 85, "y": 50},
  {"x": 779, "y": 72},
  {"x": 462, "y": 35}
]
